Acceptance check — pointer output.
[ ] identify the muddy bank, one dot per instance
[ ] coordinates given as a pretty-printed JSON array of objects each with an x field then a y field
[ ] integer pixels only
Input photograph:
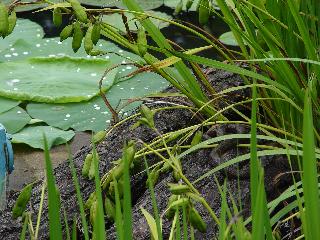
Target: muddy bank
[{"x": 194, "y": 166}]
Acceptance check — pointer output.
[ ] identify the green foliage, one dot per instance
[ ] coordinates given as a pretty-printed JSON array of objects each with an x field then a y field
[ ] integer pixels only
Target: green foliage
[
  {"x": 50, "y": 79},
  {"x": 7, "y": 104},
  {"x": 94, "y": 115},
  {"x": 15, "y": 119},
  {"x": 31, "y": 135},
  {"x": 281, "y": 50},
  {"x": 117, "y": 22},
  {"x": 55, "y": 227},
  {"x": 228, "y": 39},
  {"x": 310, "y": 174},
  {"x": 47, "y": 70}
]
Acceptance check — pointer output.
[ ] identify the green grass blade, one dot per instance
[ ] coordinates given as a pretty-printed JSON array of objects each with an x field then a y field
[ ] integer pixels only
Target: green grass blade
[
  {"x": 178, "y": 226},
  {"x": 158, "y": 37},
  {"x": 55, "y": 228},
  {"x": 223, "y": 212},
  {"x": 154, "y": 203},
  {"x": 229, "y": 68},
  {"x": 24, "y": 227},
  {"x": 257, "y": 216},
  {"x": 74, "y": 229},
  {"x": 184, "y": 223},
  {"x": 79, "y": 197},
  {"x": 127, "y": 209},
  {"x": 310, "y": 176},
  {"x": 254, "y": 165},
  {"x": 66, "y": 225},
  {"x": 99, "y": 225},
  {"x": 118, "y": 220}
]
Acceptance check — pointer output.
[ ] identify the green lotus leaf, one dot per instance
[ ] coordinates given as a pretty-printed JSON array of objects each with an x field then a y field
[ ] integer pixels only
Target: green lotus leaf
[
  {"x": 33, "y": 136},
  {"x": 228, "y": 39},
  {"x": 15, "y": 119},
  {"x": 54, "y": 79},
  {"x": 6, "y": 104},
  {"x": 116, "y": 20},
  {"x": 52, "y": 47},
  {"x": 144, "y": 4},
  {"x": 94, "y": 115},
  {"x": 33, "y": 6},
  {"x": 25, "y": 29}
]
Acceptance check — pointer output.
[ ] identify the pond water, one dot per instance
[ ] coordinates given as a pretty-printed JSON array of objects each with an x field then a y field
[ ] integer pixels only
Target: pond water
[{"x": 29, "y": 163}]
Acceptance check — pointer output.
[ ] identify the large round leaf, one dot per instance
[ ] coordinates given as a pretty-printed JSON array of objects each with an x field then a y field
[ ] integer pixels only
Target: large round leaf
[
  {"x": 53, "y": 79},
  {"x": 116, "y": 20},
  {"x": 6, "y": 104},
  {"x": 94, "y": 115},
  {"x": 25, "y": 29},
  {"x": 33, "y": 136},
  {"x": 15, "y": 119},
  {"x": 50, "y": 47}
]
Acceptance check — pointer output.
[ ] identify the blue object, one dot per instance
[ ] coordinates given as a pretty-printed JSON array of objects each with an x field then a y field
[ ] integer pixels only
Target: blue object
[{"x": 6, "y": 163}]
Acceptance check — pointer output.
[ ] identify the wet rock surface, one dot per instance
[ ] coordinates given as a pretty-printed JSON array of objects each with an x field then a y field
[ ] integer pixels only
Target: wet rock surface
[{"x": 193, "y": 165}]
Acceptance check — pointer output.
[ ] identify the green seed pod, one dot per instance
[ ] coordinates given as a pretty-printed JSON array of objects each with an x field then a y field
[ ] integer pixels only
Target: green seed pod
[
  {"x": 12, "y": 20},
  {"x": 172, "y": 199},
  {"x": 148, "y": 114},
  {"x": 99, "y": 137},
  {"x": 93, "y": 212},
  {"x": 153, "y": 176},
  {"x": 22, "y": 201},
  {"x": 120, "y": 188},
  {"x": 91, "y": 173},
  {"x": 170, "y": 212},
  {"x": 77, "y": 37},
  {"x": 92, "y": 198},
  {"x": 204, "y": 11},
  {"x": 176, "y": 174},
  {"x": 178, "y": 189},
  {"x": 66, "y": 32},
  {"x": 129, "y": 152},
  {"x": 95, "y": 36},
  {"x": 178, "y": 8},
  {"x": 86, "y": 165},
  {"x": 96, "y": 52},
  {"x": 57, "y": 17},
  {"x": 4, "y": 21},
  {"x": 165, "y": 168},
  {"x": 196, "y": 138},
  {"x": 196, "y": 220},
  {"x": 142, "y": 41},
  {"x": 189, "y": 4},
  {"x": 88, "y": 44},
  {"x": 109, "y": 208},
  {"x": 182, "y": 202},
  {"x": 79, "y": 11}
]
